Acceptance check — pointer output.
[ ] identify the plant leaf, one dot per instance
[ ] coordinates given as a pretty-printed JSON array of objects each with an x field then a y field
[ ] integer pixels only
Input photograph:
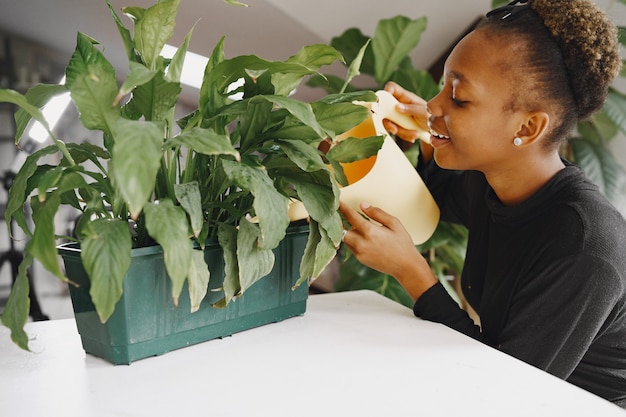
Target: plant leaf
[
  {"x": 154, "y": 29},
  {"x": 15, "y": 314},
  {"x": 138, "y": 75},
  {"x": 175, "y": 68},
  {"x": 252, "y": 122},
  {"x": 188, "y": 195},
  {"x": 198, "y": 279},
  {"x": 313, "y": 57},
  {"x": 157, "y": 98},
  {"x": 127, "y": 39},
  {"x": 300, "y": 110},
  {"x": 227, "y": 237},
  {"x": 337, "y": 118},
  {"x": 19, "y": 191},
  {"x": 603, "y": 169},
  {"x": 204, "y": 141},
  {"x": 269, "y": 205},
  {"x": 302, "y": 154},
  {"x": 43, "y": 243},
  {"x": 318, "y": 253},
  {"x": 615, "y": 108},
  {"x": 38, "y": 96},
  {"x": 350, "y": 43},
  {"x": 355, "y": 67},
  {"x": 105, "y": 253},
  {"x": 137, "y": 156},
  {"x": 254, "y": 261},
  {"x": 167, "y": 224},
  {"x": 235, "y": 3},
  {"x": 355, "y": 149},
  {"x": 418, "y": 81},
  {"x": 12, "y": 96},
  {"x": 93, "y": 86},
  {"x": 393, "y": 40}
]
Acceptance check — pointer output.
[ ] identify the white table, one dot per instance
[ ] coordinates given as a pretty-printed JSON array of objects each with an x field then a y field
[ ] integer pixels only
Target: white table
[{"x": 351, "y": 354}]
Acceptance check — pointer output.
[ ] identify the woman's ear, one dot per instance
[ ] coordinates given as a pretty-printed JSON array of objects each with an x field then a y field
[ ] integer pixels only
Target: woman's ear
[{"x": 534, "y": 127}]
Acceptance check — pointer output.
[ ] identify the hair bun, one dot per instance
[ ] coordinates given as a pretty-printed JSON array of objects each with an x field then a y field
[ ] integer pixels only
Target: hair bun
[{"x": 589, "y": 43}]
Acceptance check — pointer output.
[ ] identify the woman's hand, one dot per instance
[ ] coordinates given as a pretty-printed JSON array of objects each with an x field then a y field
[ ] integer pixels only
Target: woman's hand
[
  {"x": 387, "y": 248},
  {"x": 414, "y": 106},
  {"x": 410, "y": 104}
]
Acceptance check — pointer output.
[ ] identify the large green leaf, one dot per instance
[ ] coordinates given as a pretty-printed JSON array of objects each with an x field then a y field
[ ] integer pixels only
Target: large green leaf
[
  {"x": 137, "y": 156},
  {"x": 139, "y": 75},
  {"x": 254, "y": 261},
  {"x": 354, "y": 149},
  {"x": 312, "y": 57},
  {"x": 198, "y": 279},
  {"x": 105, "y": 253},
  {"x": 336, "y": 118},
  {"x": 43, "y": 243},
  {"x": 219, "y": 76},
  {"x": 204, "y": 141},
  {"x": 154, "y": 29},
  {"x": 157, "y": 98},
  {"x": 603, "y": 169},
  {"x": 15, "y": 314},
  {"x": 417, "y": 81},
  {"x": 393, "y": 40},
  {"x": 298, "y": 109},
  {"x": 188, "y": 195},
  {"x": 350, "y": 44},
  {"x": 168, "y": 225},
  {"x": 27, "y": 109},
  {"x": 19, "y": 191},
  {"x": 615, "y": 108},
  {"x": 93, "y": 86},
  {"x": 210, "y": 98},
  {"x": 354, "y": 69},
  {"x": 318, "y": 253},
  {"x": 269, "y": 205},
  {"x": 252, "y": 122},
  {"x": 175, "y": 68},
  {"x": 599, "y": 128},
  {"x": 302, "y": 154},
  {"x": 227, "y": 236},
  {"x": 38, "y": 96},
  {"x": 127, "y": 38}
]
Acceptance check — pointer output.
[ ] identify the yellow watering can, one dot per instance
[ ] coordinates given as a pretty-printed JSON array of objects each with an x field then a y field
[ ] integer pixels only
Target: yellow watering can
[{"x": 388, "y": 180}]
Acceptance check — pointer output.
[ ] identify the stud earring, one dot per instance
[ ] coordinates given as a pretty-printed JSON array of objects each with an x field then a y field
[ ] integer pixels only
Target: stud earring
[{"x": 517, "y": 141}]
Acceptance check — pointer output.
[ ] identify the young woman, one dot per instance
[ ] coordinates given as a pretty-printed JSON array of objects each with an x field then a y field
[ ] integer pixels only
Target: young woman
[{"x": 545, "y": 267}]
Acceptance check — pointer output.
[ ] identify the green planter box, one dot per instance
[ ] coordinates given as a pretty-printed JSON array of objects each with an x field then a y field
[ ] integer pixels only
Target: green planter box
[{"x": 146, "y": 323}]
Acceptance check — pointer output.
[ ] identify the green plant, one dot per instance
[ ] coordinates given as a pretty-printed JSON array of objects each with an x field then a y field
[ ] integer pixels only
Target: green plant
[{"x": 230, "y": 170}]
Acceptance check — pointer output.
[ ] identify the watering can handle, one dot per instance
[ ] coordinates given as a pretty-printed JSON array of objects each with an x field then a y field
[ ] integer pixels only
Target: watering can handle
[{"x": 386, "y": 108}]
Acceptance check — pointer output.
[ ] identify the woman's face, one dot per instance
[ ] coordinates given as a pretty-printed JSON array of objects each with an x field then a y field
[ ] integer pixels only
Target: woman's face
[{"x": 472, "y": 123}]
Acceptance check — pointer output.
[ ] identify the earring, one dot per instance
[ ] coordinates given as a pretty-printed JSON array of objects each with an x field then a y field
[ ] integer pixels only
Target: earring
[{"x": 517, "y": 141}]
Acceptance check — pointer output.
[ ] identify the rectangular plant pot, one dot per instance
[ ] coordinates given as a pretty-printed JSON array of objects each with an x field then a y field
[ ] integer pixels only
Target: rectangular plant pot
[{"x": 146, "y": 322}]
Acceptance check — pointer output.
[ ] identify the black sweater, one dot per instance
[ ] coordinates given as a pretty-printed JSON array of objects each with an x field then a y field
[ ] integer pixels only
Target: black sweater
[{"x": 547, "y": 277}]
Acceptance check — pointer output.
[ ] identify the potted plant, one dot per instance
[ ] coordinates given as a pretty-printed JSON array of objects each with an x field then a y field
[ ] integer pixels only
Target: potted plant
[{"x": 225, "y": 176}]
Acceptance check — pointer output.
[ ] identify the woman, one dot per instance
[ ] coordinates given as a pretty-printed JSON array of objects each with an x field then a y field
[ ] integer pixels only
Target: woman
[{"x": 545, "y": 266}]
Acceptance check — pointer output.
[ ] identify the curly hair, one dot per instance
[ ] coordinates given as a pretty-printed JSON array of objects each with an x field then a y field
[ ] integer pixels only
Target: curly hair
[{"x": 571, "y": 54}]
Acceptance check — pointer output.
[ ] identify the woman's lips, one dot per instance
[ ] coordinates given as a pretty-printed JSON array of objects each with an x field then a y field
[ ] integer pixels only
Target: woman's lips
[{"x": 437, "y": 139}]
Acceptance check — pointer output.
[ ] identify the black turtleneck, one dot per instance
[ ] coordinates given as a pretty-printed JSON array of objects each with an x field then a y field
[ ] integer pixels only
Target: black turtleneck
[{"x": 547, "y": 277}]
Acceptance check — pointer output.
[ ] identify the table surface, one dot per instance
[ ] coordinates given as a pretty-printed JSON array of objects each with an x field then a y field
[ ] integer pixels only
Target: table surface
[{"x": 354, "y": 353}]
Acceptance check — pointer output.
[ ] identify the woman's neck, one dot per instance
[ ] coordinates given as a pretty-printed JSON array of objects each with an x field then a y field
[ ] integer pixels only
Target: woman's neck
[{"x": 520, "y": 181}]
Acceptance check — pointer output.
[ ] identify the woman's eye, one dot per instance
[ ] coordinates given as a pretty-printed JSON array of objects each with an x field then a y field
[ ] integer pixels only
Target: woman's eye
[{"x": 457, "y": 102}]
